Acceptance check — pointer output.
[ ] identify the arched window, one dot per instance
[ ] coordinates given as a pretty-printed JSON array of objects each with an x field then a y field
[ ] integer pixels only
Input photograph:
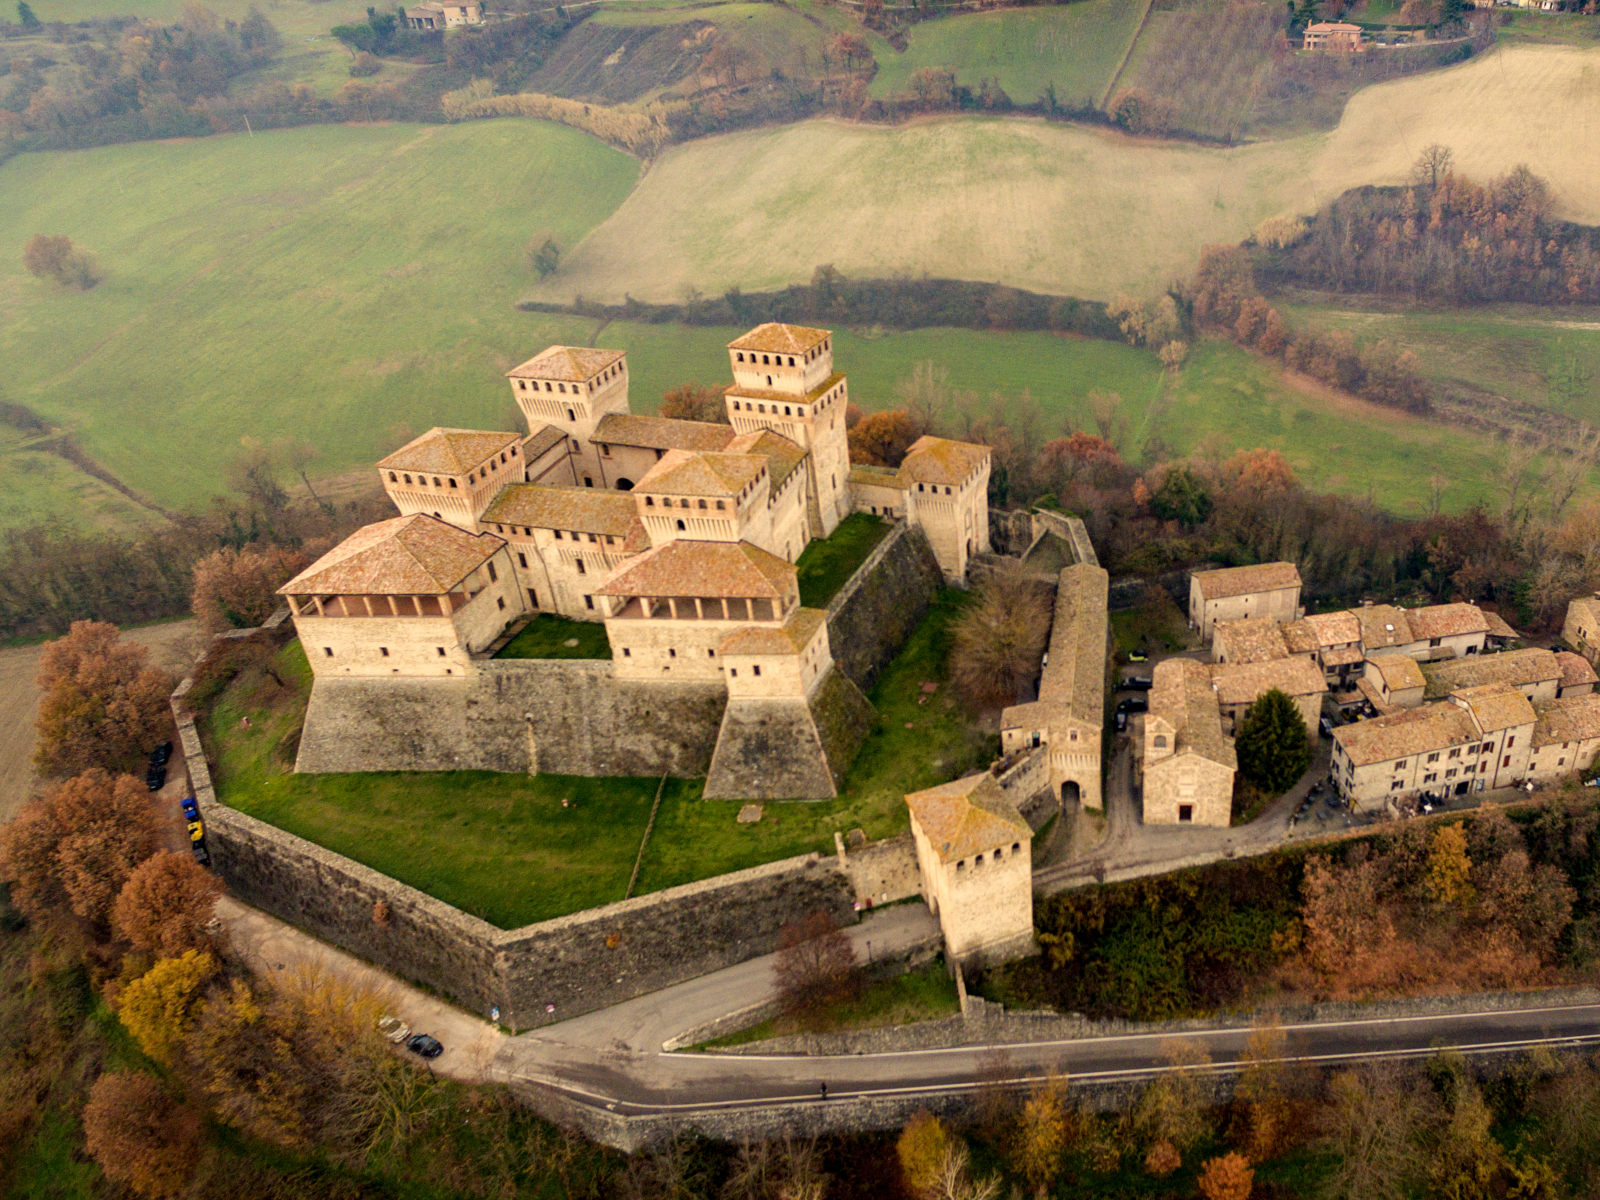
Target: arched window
[
  {"x": 571, "y": 416},
  {"x": 1160, "y": 741},
  {"x": 680, "y": 523}
]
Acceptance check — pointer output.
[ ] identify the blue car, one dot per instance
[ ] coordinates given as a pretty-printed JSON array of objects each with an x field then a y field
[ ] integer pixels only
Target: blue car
[{"x": 191, "y": 809}]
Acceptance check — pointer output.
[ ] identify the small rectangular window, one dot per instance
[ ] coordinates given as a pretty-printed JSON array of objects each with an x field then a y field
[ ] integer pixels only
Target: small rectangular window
[
  {"x": 493, "y": 578},
  {"x": 500, "y": 601},
  {"x": 756, "y": 670},
  {"x": 440, "y": 649},
  {"x": 327, "y": 651},
  {"x": 522, "y": 560},
  {"x": 588, "y": 601},
  {"x": 383, "y": 650}
]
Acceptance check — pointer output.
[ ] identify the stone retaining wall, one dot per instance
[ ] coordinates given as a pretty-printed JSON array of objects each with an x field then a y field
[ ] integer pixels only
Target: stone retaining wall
[{"x": 876, "y": 610}]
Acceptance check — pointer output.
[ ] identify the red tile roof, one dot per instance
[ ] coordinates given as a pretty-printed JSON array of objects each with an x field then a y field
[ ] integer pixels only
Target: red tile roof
[{"x": 417, "y": 555}]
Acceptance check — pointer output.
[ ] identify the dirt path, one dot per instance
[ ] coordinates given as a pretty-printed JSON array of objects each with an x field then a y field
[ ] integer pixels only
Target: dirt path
[{"x": 172, "y": 645}]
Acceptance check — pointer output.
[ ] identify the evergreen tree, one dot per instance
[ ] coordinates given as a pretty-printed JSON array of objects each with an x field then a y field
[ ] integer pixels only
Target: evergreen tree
[
  {"x": 1273, "y": 744},
  {"x": 25, "y": 14}
]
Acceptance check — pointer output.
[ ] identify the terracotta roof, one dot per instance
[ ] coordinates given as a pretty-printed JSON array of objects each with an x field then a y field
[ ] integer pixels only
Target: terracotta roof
[
  {"x": 792, "y": 637},
  {"x": 1569, "y": 719},
  {"x": 541, "y": 441},
  {"x": 448, "y": 451},
  {"x": 1334, "y": 628},
  {"x": 1495, "y": 706},
  {"x": 782, "y": 455},
  {"x": 1398, "y": 671},
  {"x": 1243, "y": 683},
  {"x": 1497, "y": 625},
  {"x": 780, "y": 339},
  {"x": 1575, "y": 669},
  {"x": 1298, "y": 636},
  {"x": 888, "y": 477},
  {"x": 1250, "y": 640},
  {"x": 585, "y": 510},
  {"x": 1517, "y": 667},
  {"x": 967, "y": 817},
  {"x": 1375, "y": 697},
  {"x": 1406, "y": 733},
  {"x": 705, "y": 569},
  {"x": 1587, "y": 605},
  {"x": 661, "y": 433},
  {"x": 1383, "y": 626},
  {"x": 1076, "y": 675},
  {"x": 574, "y": 364},
  {"x": 1446, "y": 620},
  {"x": 1341, "y": 657},
  {"x": 1182, "y": 696},
  {"x": 683, "y": 473},
  {"x": 1238, "y": 581},
  {"x": 1333, "y": 27},
  {"x": 417, "y": 555},
  {"x": 939, "y": 460}
]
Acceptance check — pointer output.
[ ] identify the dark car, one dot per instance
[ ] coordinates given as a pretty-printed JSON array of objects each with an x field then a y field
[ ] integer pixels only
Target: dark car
[
  {"x": 1137, "y": 683},
  {"x": 155, "y": 778},
  {"x": 1133, "y": 704},
  {"x": 425, "y": 1046},
  {"x": 161, "y": 754},
  {"x": 201, "y": 854},
  {"x": 191, "y": 808}
]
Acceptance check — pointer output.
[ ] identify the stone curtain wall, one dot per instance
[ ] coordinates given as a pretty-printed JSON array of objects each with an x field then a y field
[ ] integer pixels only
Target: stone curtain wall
[
  {"x": 873, "y": 614},
  {"x": 881, "y": 872},
  {"x": 551, "y": 716}
]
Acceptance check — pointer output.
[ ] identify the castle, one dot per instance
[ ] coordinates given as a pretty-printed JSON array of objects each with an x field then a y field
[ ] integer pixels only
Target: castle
[{"x": 680, "y": 536}]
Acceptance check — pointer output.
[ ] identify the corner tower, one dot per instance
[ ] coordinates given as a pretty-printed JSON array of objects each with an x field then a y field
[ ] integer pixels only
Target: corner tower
[
  {"x": 571, "y": 388},
  {"x": 783, "y": 380}
]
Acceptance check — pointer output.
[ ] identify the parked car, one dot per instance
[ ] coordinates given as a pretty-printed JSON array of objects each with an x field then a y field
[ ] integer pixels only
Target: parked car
[
  {"x": 197, "y": 831},
  {"x": 160, "y": 755},
  {"x": 1137, "y": 683},
  {"x": 201, "y": 854},
  {"x": 1121, "y": 721},
  {"x": 393, "y": 1028},
  {"x": 1325, "y": 727},
  {"x": 155, "y": 778},
  {"x": 1133, "y": 704},
  {"x": 191, "y": 808},
  {"x": 1138, "y": 656},
  {"x": 425, "y": 1046}
]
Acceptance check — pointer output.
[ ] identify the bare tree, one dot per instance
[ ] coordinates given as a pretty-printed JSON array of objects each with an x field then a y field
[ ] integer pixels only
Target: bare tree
[
  {"x": 1432, "y": 165},
  {"x": 926, "y": 393},
  {"x": 1571, "y": 471},
  {"x": 1110, "y": 422},
  {"x": 1000, "y": 638},
  {"x": 816, "y": 969}
]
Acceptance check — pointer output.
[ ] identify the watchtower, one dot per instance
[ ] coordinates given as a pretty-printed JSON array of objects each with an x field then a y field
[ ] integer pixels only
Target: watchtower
[{"x": 571, "y": 388}]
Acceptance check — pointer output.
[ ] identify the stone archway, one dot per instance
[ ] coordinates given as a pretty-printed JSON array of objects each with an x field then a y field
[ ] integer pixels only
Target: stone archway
[
  {"x": 624, "y": 485},
  {"x": 1071, "y": 793}
]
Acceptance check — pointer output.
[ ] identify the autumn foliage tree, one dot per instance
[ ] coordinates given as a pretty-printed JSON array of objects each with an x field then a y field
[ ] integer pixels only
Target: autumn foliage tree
[
  {"x": 694, "y": 402},
  {"x": 165, "y": 904},
  {"x": 141, "y": 1135},
  {"x": 921, "y": 1149},
  {"x": 238, "y": 589},
  {"x": 881, "y": 439},
  {"x": 815, "y": 969},
  {"x": 72, "y": 849},
  {"x": 999, "y": 638},
  {"x": 1226, "y": 1177},
  {"x": 104, "y": 704},
  {"x": 159, "y": 1007}
]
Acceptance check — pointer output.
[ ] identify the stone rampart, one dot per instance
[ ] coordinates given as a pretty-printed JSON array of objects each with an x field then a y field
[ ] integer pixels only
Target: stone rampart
[
  {"x": 881, "y": 872},
  {"x": 552, "y": 716},
  {"x": 876, "y": 610},
  {"x": 790, "y": 749}
]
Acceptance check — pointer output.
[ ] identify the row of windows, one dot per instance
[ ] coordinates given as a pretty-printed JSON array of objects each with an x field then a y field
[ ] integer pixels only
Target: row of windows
[
  {"x": 932, "y": 487},
  {"x": 472, "y": 476},
  {"x": 779, "y": 360},
  {"x": 999, "y": 854},
  {"x": 383, "y": 651},
  {"x": 685, "y": 502},
  {"x": 608, "y": 374}
]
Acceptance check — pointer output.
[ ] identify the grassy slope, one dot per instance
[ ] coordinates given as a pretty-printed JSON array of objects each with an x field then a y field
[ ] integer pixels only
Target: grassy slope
[
  {"x": 1076, "y": 47},
  {"x": 341, "y": 284}
]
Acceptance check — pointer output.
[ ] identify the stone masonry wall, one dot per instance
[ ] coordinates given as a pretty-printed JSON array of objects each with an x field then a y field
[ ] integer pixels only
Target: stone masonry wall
[{"x": 873, "y": 614}]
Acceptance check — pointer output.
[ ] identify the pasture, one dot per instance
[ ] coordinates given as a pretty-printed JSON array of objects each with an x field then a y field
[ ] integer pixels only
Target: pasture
[{"x": 1074, "y": 47}]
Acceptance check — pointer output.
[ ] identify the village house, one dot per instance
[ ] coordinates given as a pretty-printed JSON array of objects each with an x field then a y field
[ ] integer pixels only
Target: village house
[
  {"x": 1581, "y": 629},
  {"x": 1069, "y": 715},
  {"x": 1188, "y": 762},
  {"x": 1239, "y": 685},
  {"x": 1268, "y": 590},
  {"x": 435, "y": 14},
  {"x": 1393, "y": 681},
  {"x": 1333, "y": 35},
  {"x": 974, "y": 858},
  {"x": 1534, "y": 672}
]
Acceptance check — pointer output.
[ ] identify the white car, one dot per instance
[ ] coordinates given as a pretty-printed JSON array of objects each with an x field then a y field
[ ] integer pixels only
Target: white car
[{"x": 394, "y": 1029}]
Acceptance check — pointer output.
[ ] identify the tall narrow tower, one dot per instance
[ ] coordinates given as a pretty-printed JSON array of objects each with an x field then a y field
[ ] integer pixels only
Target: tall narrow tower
[
  {"x": 783, "y": 380},
  {"x": 571, "y": 388}
]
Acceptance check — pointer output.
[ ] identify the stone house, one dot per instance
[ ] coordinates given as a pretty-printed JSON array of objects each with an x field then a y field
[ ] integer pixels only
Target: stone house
[
  {"x": 1333, "y": 35},
  {"x": 1393, "y": 681},
  {"x": 1069, "y": 716},
  {"x": 443, "y": 14},
  {"x": 1578, "y": 676},
  {"x": 1270, "y": 590},
  {"x": 1581, "y": 629},
  {"x": 1239, "y": 685},
  {"x": 1188, "y": 763},
  {"x": 1535, "y": 673},
  {"x": 1333, "y": 639},
  {"x": 974, "y": 857},
  {"x": 1566, "y": 737}
]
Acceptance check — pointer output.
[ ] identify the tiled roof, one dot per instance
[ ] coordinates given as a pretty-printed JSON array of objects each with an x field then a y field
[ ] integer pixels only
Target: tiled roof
[
  {"x": 966, "y": 817},
  {"x": 661, "y": 433},
  {"x": 1250, "y": 640},
  {"x": 1333, "y": 27},
  {"x": 584, "y": 510},
  {"x": 573, "y": 364},
  {"x": 792, "y": 637},
  {"x": 1575, "y": 669},
  {"x": 778, "y": 338},
  {"x": 1399, "y": 671},
  {"x": 1243, "y": 683},
  {"x": 782, "y": 455},
  {"x": 1495, "y": 706},
  {"x": 448, "y": 451},
  {"x": 1239, "y": 581},
  {"x": 1406, "y": 733},
  {"x": 1588, "y": 606},
  {"x": 541, "y": 441},
  {"x": 683, "y": 473},
  {"x": 1076, "y": 675},
  {"x": 888, "y": 477},
  {"x": 1334, "y": 628},
  {"x": 1383, "y": 626},
  {"x": 417, "y": 555},
  {"x": 1343, "y": 656},
  {"x": 939, "y": 460},
  {"x": 1497, "y": 626},
  {"x": 1446, "y": 620},
  {"x": 1182, "y": 696},
  {"x": 705, "y": 569},
  {"x": 1517, "y": 667},
  {"x": 1569, "y": 719}
]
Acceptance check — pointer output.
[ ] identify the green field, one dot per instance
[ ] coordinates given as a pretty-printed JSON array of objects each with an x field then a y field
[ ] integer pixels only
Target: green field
[
  {"x": 1074, "y": 47},
  {"x": 343, "y": 285}
]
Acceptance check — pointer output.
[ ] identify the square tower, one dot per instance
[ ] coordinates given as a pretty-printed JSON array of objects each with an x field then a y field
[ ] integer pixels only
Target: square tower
[
  {"x": 784, "y": 381},
  {"x": 572, "y": 388}
]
